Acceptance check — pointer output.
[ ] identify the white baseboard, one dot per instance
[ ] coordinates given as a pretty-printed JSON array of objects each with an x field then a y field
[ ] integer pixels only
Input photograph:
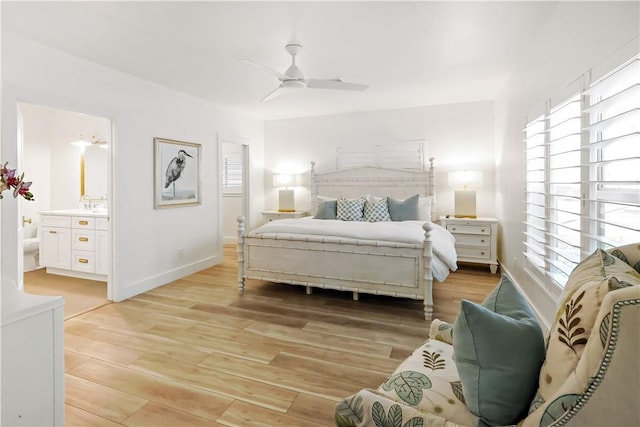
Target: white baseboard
[
  {"x": 165, "y": 277},
  {"x": 229, "y": 240}
]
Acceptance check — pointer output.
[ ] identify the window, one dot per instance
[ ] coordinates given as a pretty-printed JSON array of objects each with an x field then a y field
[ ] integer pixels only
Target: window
[
  {"x": 232, "y": 173},
  {"x": 583, "y": 174}
]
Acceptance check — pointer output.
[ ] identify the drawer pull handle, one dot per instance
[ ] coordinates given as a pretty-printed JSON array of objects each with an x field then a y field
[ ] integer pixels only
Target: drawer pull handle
[
  {"x": 52, "y": 232},
  {"x": 453, "y": 228},
  {"x": 482, "y": 253},
  {"x": 483, "y": 230},
  {"x": 83, "y": 239},
  {"x": 83, "y": 261},
  {"x": 482, "y": 241},
  {"x": 83, "y": 222}
]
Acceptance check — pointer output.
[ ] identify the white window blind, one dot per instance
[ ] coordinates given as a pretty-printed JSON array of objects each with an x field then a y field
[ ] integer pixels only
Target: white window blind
[
  {"x": 613, "y": 132},
  {"x": 583, "y": 175},
  {"x": 232, "y": 173}
]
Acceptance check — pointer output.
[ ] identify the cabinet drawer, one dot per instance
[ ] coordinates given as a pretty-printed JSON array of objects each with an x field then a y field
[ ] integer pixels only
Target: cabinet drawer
[
  {"x": 479, "y": 253},
  {"x": 473, "y": 240},
  {"x": 84, "y": 240},
  {"x": 469, "y": 229},
  {"x": 102, "y": 224},
  {"x": 83, "y": 222},
  {"x": 83, "y": 261},
  {"x": 55, "y": 221}
]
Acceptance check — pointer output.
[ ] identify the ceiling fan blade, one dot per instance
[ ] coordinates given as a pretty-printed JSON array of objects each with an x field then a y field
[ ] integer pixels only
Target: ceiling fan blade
[
  {"x": 334, "y": 84},
  {"x": 274, "y": 93},
  {"x": 278, "y": 74}
]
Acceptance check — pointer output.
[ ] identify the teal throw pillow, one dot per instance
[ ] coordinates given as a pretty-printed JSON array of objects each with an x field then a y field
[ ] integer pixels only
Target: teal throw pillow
[
  {"x": 498, "y": 348},
  {"x": 404, "y": 210},
  {"x": 326, "y": 208}
]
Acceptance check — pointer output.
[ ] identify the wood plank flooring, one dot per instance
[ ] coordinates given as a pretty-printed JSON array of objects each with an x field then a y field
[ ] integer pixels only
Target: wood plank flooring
[{"x": 195, "y": 353}]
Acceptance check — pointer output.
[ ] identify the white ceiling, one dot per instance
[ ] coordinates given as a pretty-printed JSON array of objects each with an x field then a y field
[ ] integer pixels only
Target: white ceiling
[{"x": 410, "y": 53}]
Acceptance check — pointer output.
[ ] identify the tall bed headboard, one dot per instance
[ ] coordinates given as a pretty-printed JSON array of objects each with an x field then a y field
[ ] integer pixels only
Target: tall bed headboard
[{"x": 377, "y": 181}]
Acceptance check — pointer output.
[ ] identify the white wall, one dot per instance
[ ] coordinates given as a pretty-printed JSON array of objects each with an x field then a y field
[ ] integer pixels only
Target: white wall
[
  {"x": 459, "y": 136},
  {"x": 145, "y": 240},
  {"x": 577, "y": 36}
]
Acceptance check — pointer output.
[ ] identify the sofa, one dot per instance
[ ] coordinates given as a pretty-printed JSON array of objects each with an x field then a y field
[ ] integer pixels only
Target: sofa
[{"x": 494, "y": 366}]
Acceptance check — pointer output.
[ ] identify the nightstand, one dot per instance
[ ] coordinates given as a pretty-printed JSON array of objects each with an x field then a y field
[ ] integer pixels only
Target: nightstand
[
  {"x": 476, "y": 239},
  {"x": 273, "y": 215}
]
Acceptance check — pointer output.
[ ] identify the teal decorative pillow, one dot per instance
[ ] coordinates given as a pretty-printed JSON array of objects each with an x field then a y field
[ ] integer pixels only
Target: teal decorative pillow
[
  {"x": 376, "y": 209},
  {"x": 498, "y": 348},
  {"x": 326, "y": 209},
  {"x": 404, "y": 210},
  {"x": 350, "y": 209}
]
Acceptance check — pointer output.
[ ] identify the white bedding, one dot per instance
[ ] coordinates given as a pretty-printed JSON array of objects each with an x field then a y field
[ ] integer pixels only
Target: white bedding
[{"x": 410, "y": 232}]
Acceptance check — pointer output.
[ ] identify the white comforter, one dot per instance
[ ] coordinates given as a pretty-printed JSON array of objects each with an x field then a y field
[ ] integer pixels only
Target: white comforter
[{"x": 444, "y": 252}]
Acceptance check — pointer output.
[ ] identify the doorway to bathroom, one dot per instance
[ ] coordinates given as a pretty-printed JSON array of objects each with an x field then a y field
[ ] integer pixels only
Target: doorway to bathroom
[
  {"x": 234, "y": 156},
  {"x": 66, "y": 237}
]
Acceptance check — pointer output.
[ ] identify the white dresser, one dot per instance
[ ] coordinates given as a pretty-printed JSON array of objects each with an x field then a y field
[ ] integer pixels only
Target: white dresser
[
  {"x": 476, "y": 239},
  {"x": 75, "y": 243},
  {"x": 32, "y": 358}
]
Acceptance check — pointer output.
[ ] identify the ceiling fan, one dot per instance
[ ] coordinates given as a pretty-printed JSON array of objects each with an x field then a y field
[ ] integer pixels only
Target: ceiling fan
[{"x": 294, "y": 79}]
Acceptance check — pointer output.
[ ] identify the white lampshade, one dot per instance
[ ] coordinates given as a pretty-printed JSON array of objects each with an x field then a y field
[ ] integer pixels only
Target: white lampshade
[
  {"x": 283, "y": 180},
  {"x": 464, "y": 179}
]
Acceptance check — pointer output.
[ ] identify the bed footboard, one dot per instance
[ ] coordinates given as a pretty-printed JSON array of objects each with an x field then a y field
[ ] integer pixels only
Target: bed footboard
[{"x": 357, "y": 266}]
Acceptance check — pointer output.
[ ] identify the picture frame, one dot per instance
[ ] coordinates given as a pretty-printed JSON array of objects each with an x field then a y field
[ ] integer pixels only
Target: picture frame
[{"x": 177, "y": 180}]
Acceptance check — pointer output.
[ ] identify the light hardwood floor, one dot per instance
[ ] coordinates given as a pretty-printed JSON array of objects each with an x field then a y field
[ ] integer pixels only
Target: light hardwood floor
[
  {"x": 195, "y": 353},
  {"x": 80, "y": 295}
]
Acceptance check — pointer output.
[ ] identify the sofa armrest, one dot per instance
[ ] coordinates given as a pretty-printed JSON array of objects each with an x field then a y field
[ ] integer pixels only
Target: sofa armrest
[
  {"x": 612, "y": 398},
  {"x": 441, "y": 331}
]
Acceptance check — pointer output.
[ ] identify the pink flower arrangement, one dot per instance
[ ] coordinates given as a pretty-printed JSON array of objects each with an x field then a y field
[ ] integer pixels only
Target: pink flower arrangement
[{"x": 8, "y": 181}]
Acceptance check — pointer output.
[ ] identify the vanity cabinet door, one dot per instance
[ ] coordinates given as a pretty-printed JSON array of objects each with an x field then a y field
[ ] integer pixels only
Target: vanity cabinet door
[{"x": 55, "y": 247}]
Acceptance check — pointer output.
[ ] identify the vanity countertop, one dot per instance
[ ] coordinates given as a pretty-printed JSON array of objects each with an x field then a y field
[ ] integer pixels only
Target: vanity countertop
[{"x": 97, "y": 213}]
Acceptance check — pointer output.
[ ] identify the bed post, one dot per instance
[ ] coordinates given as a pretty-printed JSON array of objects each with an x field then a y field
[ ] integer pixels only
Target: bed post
[
  {"x": 427, "y": 258},
  {"x": 240, "y": 249},
  {"x": 432, "y": 188},
  {"x": 314, "y": 188}
]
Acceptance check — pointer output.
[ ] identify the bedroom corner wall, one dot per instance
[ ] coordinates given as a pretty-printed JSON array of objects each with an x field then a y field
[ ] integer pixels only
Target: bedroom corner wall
[
  {"x": 145, "y": 239},
  {"x": 577, "y": 37},
  {"x": 459, "y": 136}
]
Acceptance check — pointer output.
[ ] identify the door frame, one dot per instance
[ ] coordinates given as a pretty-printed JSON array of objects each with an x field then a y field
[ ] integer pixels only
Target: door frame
[{"x": 246, "y": 199}]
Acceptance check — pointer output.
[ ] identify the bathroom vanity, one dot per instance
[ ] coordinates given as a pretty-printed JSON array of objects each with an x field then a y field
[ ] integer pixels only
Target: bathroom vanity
[{"x": 75, "y": 243}]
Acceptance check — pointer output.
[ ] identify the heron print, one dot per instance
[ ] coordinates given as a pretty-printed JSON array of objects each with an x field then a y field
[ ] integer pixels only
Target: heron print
[
  {"x": 177, "y": 174},
  {"x": 174, "y": 170}
]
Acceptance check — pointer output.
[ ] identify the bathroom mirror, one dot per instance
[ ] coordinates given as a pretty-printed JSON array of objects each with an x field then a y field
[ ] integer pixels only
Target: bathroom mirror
[{"x": 96, "y": 161}]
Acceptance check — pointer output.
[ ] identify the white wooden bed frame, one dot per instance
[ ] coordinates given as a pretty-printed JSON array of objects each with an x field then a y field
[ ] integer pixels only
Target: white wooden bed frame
[{"x": 375, "y": 267}]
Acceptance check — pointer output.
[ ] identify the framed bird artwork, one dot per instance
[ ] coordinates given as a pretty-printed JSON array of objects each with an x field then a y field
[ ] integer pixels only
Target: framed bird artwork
[{"x": 177, "y": 173}]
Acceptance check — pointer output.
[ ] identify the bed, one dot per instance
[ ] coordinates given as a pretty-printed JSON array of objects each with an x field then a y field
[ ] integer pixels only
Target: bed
[{"x": 394, "y": 258}]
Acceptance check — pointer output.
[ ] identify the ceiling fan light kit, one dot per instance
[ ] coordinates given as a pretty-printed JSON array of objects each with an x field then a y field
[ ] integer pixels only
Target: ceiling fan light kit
[{"x": 293, "y": 78}]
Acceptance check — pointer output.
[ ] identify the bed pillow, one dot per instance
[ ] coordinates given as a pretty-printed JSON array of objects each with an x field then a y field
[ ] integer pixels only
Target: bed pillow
[
  {"x": 350, "y": 209},
  {"x": 424, "y": 208},
  {"x": 376, "y": 209},
  {"x": 326, "y": 208},
  {"x": 403, "y": 210},
  {"x": 498, "y": 348}
]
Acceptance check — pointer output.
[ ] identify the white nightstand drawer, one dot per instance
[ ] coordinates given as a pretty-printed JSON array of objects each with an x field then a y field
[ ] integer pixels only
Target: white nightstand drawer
[
  {"x": 469, "y": 229},
  {"x": 480, "y": 253},
  {"x": 473, "y": 240}
]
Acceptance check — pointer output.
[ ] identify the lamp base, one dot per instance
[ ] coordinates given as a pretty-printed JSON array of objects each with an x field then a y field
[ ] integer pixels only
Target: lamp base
[
  {"x": 286, "y": 201},
  {"x": 465, "y": 204}
]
